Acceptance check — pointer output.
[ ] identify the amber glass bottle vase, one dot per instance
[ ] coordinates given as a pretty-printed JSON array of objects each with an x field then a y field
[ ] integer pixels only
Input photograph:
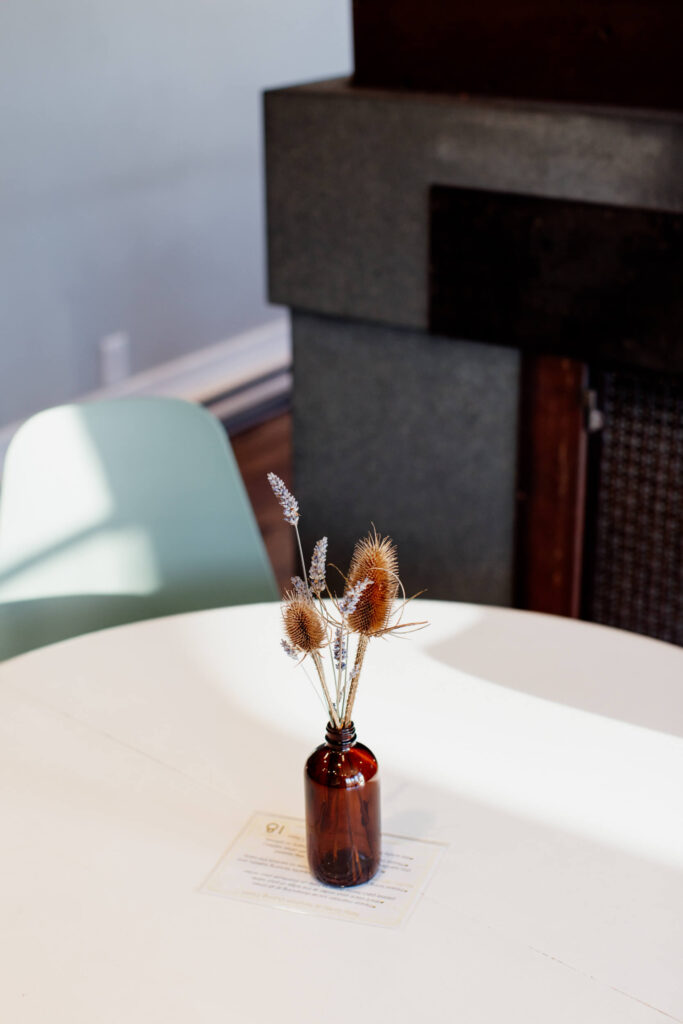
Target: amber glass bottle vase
[{"x": 342, "y": 809}]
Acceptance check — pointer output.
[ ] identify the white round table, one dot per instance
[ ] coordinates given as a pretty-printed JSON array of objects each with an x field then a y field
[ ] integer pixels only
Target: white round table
[{"x": 546, "y": 753}]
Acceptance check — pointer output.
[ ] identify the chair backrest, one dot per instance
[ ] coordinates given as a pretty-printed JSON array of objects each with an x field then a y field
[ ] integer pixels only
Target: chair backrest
[{"x": 122, "y": 510}]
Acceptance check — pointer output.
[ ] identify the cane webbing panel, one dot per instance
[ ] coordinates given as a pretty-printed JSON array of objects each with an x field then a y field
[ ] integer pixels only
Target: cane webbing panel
[{"x": 638, "y": 558}]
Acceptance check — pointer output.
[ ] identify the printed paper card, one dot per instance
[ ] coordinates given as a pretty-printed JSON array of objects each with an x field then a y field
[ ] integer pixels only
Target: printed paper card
[{"x": 267, "y": 864}]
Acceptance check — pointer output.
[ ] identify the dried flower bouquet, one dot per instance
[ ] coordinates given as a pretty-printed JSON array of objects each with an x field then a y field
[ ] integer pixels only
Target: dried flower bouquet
[{"x": 369, "y": 608}]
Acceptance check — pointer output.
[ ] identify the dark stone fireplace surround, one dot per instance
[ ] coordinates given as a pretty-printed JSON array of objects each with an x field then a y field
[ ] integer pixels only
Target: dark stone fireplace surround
[{"x": 407, "y": 362}]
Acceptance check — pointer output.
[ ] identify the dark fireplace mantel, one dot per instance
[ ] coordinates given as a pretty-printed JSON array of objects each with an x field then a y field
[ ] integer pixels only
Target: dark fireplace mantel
[{"x": 595, "y": 282}]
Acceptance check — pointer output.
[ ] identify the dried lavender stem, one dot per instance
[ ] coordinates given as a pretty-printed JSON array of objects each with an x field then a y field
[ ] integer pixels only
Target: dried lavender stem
[
  {"x": 301, "y": 555},
  {"x": 321, "y": 675},
  {"x": 334, "y": 674},
  {"x": 358, "y": 664},
  {"x": 348, "y": 671},
  {"x": 345, "y": 684},
  {"x": 326, "y": 617},
  {"x": 314, "y": 687},
  {"x": 338, "y": 682}
]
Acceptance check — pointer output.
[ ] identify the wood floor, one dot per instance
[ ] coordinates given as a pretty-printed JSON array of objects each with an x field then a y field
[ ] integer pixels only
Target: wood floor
[{"x": 260, "y": 450}]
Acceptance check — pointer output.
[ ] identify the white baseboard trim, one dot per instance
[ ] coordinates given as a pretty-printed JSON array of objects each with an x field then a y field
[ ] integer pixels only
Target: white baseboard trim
[{"x": 231, "y": 376}]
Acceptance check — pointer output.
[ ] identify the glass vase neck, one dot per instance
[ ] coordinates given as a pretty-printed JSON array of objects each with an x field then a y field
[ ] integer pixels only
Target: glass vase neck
[{"x": 342, "y": 738}]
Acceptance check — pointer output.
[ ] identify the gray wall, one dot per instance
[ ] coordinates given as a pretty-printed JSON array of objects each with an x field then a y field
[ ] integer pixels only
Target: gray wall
[{"x": 130, "y": 175}]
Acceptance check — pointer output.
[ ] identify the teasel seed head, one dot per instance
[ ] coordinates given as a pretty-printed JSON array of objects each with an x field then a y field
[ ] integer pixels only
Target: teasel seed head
[
  {"x": 304, "y": 627},
  {"x": 374, "y": 558}
]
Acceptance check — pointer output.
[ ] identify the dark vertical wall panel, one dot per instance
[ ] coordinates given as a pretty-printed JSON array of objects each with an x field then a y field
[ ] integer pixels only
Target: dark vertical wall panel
[{"x": 416, "y": 434}]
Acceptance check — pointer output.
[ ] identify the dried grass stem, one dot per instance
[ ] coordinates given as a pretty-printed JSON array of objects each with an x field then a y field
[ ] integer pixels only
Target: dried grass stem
[
  {"x": 317, "y": 660},
  {"x": 363, "y": 642}
]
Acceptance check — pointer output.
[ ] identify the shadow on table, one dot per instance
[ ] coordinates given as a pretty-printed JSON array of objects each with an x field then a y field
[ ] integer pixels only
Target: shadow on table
[{"x": 604, "y": 671}]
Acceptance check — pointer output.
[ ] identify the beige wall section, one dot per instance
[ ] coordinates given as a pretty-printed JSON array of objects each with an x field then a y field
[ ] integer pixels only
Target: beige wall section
[{"x": 130, "y": 176}]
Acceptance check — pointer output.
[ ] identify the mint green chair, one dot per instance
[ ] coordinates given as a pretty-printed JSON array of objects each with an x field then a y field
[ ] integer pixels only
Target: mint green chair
[{"x": 121, "y": 510}]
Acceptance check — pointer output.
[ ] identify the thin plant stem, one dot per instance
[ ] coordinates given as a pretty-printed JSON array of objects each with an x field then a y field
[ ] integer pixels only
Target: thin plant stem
[
  {"x": 360, "y": 655},
  {"x": 336, "y": 681},
  {"x": 323, "y": 612},
  {"x": 314, "y": 687},
  {"x": 345, "y": 683},
  {"x": 301, "y": 556},
  {"x": 318, "y": 662},
  {"x": 318, "y": 665},
  {"x": 346, "y": 670},
  {"x": 340, "y": 692},
  {"x": 333, "y": 625}
]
